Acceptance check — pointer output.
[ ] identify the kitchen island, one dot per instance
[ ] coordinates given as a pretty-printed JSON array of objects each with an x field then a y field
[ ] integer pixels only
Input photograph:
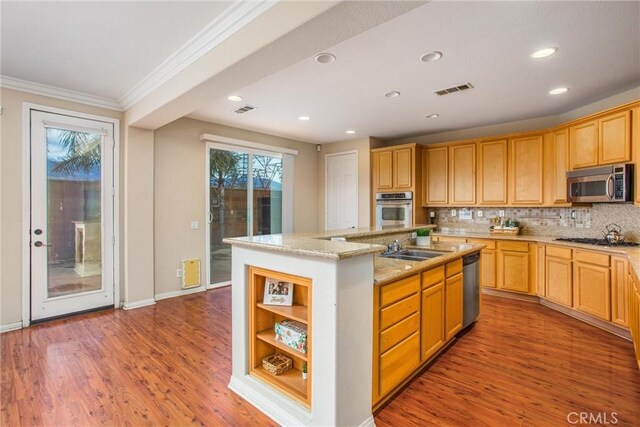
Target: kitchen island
[{"x": 340, "y": 289}]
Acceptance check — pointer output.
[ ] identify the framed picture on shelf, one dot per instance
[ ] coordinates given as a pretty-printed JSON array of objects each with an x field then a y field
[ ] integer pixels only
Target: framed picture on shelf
[{"x": 277, "y": 292}]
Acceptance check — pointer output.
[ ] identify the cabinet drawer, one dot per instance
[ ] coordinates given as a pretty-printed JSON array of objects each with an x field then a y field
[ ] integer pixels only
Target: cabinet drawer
[
  {"x": 398, "y": 363},
  {"x": 454, "y": 267},
  {"x": 558, "y": 252},
  {"x": 398, "y": 290},
  {"x": 491, "y": 244},
  {"x": 399, "y": 331},
  {"x": 398, "y": 311},
  {"x": 592, "y": 258},
  {"x": 432, "y": 277},
  {"x": 513, "y": 246}
]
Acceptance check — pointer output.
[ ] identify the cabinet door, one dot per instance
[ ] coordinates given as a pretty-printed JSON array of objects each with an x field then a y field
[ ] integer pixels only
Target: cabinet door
[
  {"x": 462, "y": 174},
  {"x": 513, "y": 271},
  {"x": 558, "y": 280},
  {"x": 614, "y": 145},
  {"x": 635, "y": 143},
  {"x": 619, "y": 297},
  {"x": 383, "y": 169},
  {"x": 488, "y": 267},
  {"x": 432, "y": 320},
  {"x": 592, "y": 290},
  {"x": 398, "y": 363},
  {"x": 402, "y": 168},
  {"x": 492, "y": 172},
  {"x": 453, "y": 309},
  {"x": 526, "y": 170},
  {"x": 436, "y": 175},
  {"x": 583, "y": 145},
  {"x": 541, "y": 270},
  {"x": 560, "y": 166}
]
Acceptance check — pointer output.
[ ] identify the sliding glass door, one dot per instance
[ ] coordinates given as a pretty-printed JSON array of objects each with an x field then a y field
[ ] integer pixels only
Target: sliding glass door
[{"x": 244, "y": 199}]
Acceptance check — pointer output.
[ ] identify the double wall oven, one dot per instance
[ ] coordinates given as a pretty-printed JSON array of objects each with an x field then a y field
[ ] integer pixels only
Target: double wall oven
[{"x": 394, "y": 209}]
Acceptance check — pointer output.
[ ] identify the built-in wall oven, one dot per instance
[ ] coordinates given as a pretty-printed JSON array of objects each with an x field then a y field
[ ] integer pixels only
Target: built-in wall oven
[
  {"x": 394, "y": 209},
  {"x": 604, "y": 184}
]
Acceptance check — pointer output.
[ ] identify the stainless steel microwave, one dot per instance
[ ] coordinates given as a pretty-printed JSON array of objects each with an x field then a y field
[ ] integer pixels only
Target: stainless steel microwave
[{"x": 606, "y": 184}]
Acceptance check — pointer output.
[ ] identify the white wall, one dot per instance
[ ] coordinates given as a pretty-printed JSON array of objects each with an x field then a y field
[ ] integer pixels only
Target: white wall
[{"x": 179, "y": 192}]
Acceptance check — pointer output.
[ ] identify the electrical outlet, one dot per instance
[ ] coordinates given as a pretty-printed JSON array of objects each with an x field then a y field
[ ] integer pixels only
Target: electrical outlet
[
  {"x": 453, "y": 212},
  {"x": 179, "y": 272},
  {"x": 414, "y": 235},
  {"x": 501, "y": 213},
  {"x": 432, "y": 214},
  {"x": 480, "y": 214},
  {"x": 194, "y": 225},
  {"x": 574, "y": 214}
]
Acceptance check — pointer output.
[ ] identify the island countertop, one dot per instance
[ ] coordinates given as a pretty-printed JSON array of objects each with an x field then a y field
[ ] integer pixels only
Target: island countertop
[{"x": 319, "y": 244}]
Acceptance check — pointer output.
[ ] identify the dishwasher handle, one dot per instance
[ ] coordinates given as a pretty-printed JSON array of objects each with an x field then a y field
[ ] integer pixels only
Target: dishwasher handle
[{"x": 471, "y": 258}]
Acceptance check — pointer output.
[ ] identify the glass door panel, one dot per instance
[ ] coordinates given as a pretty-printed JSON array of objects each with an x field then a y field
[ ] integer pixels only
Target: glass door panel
[
  {"x": 229, "y": 213},
  {"x": 267, "y": 195}
]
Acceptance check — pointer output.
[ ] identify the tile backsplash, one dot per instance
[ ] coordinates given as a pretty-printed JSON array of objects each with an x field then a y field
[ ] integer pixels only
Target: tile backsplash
[{"x": 587, "y": 221}]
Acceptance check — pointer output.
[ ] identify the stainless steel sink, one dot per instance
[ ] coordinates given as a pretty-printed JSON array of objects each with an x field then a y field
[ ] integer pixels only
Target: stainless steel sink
[{"x": 408, "y": 255}]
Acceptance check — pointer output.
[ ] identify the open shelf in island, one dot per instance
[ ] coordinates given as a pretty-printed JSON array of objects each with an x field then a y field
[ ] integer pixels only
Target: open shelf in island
[{"x": 262, "y": 320}]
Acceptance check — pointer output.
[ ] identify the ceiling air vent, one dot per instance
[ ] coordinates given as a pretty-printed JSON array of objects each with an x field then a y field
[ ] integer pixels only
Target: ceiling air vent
[
  {"x": 453, "y": 89},
  {"x": 244, "y": 109}
]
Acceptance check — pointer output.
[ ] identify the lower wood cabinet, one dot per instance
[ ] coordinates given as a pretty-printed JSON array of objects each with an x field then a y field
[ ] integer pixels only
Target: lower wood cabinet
[
  {"x": 619, "y": 294},
  {"x": 633, "y": 293},
  {"x": 400, "y": 361},
  {"x": 513, "y": 266},
  {"x": 453, "y": 306},
  {"x": 433, "y": 309},
  {"x": 559, "y": 280},
  {"x": 592, "y": 290}
]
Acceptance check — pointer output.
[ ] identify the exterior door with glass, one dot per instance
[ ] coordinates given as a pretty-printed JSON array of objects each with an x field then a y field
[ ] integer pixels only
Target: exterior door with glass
[{"x": 72, "y": 200}]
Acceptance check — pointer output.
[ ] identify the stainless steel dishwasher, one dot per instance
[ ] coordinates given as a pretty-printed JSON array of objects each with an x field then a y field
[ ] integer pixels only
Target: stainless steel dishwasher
[{"x": 471, "y": 288}]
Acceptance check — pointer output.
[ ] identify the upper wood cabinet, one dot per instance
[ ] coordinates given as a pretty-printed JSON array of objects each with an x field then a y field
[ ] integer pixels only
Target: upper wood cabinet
[
  {"x": 601, "y": 141},
  {"x": 394, "y": 168},
  {"x": 403, "y": 168},
  {"x": 635, "y": 135},
  {"x": 383, "y": 169},
  {"x": 492, "y": 172},
  {"x": 526, "y": 167},
  {"x": 435, "y": 170},
  {"x": 462, "y": 174},
  {"x": 559, "y": 159}
]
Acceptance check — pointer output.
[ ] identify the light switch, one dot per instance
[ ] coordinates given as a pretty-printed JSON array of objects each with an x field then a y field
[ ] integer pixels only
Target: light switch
[
  {"x": 480, "y": 214},
  {"x": 194, "y": 225},
  {"x": 501, "y": 213},
  {"x": 453, "y": 212}
]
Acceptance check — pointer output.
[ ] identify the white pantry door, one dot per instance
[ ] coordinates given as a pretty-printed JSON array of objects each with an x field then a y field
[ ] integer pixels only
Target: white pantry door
[
  {"x": 71, "y": 230},
  {"x": 341, "y": 191}
]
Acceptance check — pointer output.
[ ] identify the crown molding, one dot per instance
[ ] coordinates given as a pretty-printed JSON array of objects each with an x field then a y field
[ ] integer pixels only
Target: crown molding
[
  {"x": 236, "y": 16},
  {"x": 59, "y": 93}
]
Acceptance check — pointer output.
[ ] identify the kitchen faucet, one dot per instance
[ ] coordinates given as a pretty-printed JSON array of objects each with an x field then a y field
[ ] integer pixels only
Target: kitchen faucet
[{"x": 396, "y": 246}]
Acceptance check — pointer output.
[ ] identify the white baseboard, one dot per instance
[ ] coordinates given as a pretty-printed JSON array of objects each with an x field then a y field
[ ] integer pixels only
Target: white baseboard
[
  {"x": 219, "y": 285},
  {"x": 369, "y": 422},
  {"x": 10, "y": 327},
  {"x": 180, "y": 293},
  {"x": 138, "y": 304}
]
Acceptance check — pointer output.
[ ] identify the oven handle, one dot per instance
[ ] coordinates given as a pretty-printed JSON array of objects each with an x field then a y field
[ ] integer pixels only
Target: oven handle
[{"x": 609, "y": 181}]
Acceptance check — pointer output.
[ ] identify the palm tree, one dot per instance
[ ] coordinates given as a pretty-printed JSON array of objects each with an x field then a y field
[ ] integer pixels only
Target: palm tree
[
  {"x": 83, "y": 151},
  {"x": 223, "y": 166}
]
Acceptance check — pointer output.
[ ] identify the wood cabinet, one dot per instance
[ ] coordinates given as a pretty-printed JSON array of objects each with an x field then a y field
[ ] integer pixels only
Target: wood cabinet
[
  {"x": 633, "y": 292},
  {"x": 487, "y": 262},
  {"x": 614, "y": 138},
  {"x": 453, "y": 304},
  {"x": 432, "y": 315},
  {"x": 541, "y": 270},
  {"x": 635, "y": 149},
  {"x": 383, "y": 170},
  {"x": 403, "y": 168},
  {"x": 559, "y": 275},
  {"x": 492, "y": 172},
  {"x": 262, "y": 344},
  {"x": 394, "y": 168},
  {"x": 619, "y": 294},
  {"x": 601, "y": 141},
  {"x": 559, "y": 159},
  {"x": 513, "y": 266},
  {"x": 592, "y": 284},
  {"x": 462, "y": 174},
  {"x": 435, "y": 171},
  {"x": 526, "y": 157}
]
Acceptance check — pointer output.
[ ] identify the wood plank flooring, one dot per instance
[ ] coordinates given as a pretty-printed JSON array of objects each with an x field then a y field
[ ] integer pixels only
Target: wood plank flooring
[{"x": 169, "y": 364}]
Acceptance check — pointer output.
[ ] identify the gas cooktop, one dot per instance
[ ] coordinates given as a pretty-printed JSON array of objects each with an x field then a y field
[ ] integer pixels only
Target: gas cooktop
[{"x": 599, "y": 242}]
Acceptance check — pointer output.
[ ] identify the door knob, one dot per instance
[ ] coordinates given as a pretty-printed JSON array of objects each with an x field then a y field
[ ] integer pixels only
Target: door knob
[{"x": 39, "y": 244}]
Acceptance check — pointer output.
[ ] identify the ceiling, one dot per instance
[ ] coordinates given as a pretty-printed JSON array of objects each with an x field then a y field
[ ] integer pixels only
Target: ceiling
[
  {"x": 485, "y": 43},
  {"x": 102, "y": 48}
]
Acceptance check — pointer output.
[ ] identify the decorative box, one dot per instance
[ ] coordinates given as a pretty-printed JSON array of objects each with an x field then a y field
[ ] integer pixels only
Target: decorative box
[{"x": 292, "y": 334}]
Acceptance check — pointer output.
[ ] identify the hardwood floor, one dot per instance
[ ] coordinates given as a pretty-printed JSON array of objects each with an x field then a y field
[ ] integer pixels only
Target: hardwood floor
[{"x": 169, "y": 364}]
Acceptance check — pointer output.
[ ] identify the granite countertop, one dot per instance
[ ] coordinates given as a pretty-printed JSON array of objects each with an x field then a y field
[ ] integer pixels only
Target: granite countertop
[
  {"x": 632, "y": 253},
  {"x": 389, "y": 270}
]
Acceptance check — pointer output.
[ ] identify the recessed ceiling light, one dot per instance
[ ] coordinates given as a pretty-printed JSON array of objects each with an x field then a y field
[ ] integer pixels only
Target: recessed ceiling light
[
  {"x": 351, "y": 132},
  {"x": 558, "y": 91},
  {"x": 304, "y": 118},
  {"x": 543, "y": 53},
  {"x": 392, "y": 94},
  {"x": 234, "y": 98},
  {"x": 325, "y": 58},
  {"x": 431, "y": 56},
  {"x": 432, "y": 116}
]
